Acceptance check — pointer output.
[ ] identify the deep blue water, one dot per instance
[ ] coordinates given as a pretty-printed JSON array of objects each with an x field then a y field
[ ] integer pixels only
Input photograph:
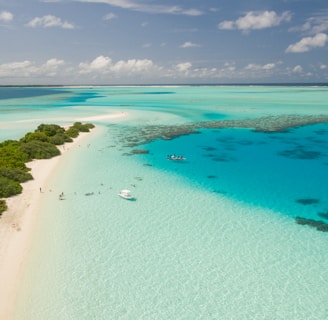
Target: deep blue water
[
  {"x": 285, "y": 172},
  {"x": 27, "y": 92}
]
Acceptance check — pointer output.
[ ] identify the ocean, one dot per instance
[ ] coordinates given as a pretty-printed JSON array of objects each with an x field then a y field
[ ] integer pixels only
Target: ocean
[{"x": 220, "y": 235}]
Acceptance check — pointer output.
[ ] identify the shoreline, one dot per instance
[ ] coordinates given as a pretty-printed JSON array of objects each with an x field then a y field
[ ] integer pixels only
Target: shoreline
[{"x": 17, "y": 224}]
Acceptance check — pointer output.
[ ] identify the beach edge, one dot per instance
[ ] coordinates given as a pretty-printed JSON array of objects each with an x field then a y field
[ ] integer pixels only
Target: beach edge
[{"x": 18, "y": 223}]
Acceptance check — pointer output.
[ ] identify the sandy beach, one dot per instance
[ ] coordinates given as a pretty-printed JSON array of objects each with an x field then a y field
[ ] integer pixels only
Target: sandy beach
[
  {"x": 17, "y": 224},
  {"x": 103, "y": 117}
]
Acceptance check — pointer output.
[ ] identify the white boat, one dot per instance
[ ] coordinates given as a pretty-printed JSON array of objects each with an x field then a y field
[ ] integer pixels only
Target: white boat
[
  {"x": 175, "y": 158},
  {"x": 126, "y": 194}
]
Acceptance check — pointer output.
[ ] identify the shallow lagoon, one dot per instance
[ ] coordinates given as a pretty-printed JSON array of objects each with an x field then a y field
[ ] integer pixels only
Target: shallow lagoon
[{"x": 213, "y": 237}]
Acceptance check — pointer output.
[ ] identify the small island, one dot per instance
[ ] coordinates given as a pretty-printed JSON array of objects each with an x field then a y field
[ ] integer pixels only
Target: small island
[{"x": 40, "y": 144}]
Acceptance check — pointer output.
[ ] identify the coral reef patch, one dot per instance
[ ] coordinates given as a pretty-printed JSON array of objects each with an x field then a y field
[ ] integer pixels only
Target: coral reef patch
[
  {"x": 307, "y": 201},
  {"x": 318, "y": 224},
  {"x": 300, "y": 153},
  {"x": 323, "y": 214},
  {"x": 134, "y": 136}
]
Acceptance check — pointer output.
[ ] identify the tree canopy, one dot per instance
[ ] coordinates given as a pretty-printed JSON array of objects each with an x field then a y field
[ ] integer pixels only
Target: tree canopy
[{"x": 40, "y": 144}]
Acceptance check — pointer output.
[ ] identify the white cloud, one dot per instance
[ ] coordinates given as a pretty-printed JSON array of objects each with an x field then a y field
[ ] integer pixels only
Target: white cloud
[
  {"x": 105, "y": 65},
  {"x": 103, "y": 70},
  {"x": 269, "y": 66},
  {"x": 12, "y": 68},
  {"x": 28, "y": 68},
  {"x": 297, "y": 69},
  {"x": 320, "y": 27},
  {"x": 147, "y": 7},
  {"x": 259, "y": 67},
  {"x": 226, "y": 25},
  {"x": 110, "y": 16},
  {"x": 51, "y": 67},
  {"x": 49, "y": 21},
  {"x": 54, "y": 63},
  {"x": 190, "y": 12},
  {"x": 256, "y": 20},
  {"x": 183, "y": 67},
  {"x": 133, "y": 66},
  {"x": 303, "y": 28},
  {"x": 229, "y": 66},
  {"x": 6, "y": 16},
  {"x": 252, "y": 66},
  {"x": 189, "y": 44},
  {"x": 307, "y": 43},
  {"x": 100, "y": 63},
  {"x": 314, "y": 25}
]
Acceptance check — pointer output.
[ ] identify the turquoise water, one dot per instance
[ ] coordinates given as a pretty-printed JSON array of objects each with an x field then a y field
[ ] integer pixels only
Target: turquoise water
[
  {"x": 213, "y": 237},
  {"x": 268, "y": 170}
]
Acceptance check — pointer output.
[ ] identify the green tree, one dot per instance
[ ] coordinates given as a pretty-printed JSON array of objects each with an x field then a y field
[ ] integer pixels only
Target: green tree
[
  {"x": 50, "y": 129},
  {"x": 40, "y": 144},
  {"x": 40, "y": 150},
  {"x": 3, "y": 206},
  {"x": 15, "y": 174},
  {"x": 9, "y": 187},
  {"x": 39, "y": 136},
  {"x": 60, "y": 138},
  {"x": 72, "y": 132},
  {"x": 83, "y": 127}
]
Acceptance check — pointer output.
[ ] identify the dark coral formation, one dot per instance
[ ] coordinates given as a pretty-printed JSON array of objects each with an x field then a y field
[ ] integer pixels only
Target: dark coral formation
[
  {"x": 209, "y": 148},
  {"x": 318, "y": 224},
  {"x": 245, "y": 142},
  {"x": 223, "y": 158},
  {"x": 139, "y": 151},
  {"x": 321, "y": 132},
  {"x": 268, "y": 124},
  {"x": 134, "y": 136},
  {"x": 136, "y": 151},
  {"x": 323, "y": 214},
  {"x": 308, "y": 201},
  {"x": 301, "y": 153}
]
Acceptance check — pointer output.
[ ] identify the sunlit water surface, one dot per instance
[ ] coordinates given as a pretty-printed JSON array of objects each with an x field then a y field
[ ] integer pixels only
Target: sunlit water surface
[{"x": 211, "y": 237}]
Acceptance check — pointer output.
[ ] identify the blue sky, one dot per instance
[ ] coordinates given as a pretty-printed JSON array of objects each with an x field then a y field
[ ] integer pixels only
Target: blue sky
[{"x": 163, "y": 42}]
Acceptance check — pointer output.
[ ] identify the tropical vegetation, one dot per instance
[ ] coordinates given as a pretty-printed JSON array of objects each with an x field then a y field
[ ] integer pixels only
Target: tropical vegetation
[{"x": 40, "y": 144}]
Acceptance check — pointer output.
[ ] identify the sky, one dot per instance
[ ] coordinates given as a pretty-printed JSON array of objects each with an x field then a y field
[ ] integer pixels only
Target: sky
[{"x": 104, "y": 42}]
